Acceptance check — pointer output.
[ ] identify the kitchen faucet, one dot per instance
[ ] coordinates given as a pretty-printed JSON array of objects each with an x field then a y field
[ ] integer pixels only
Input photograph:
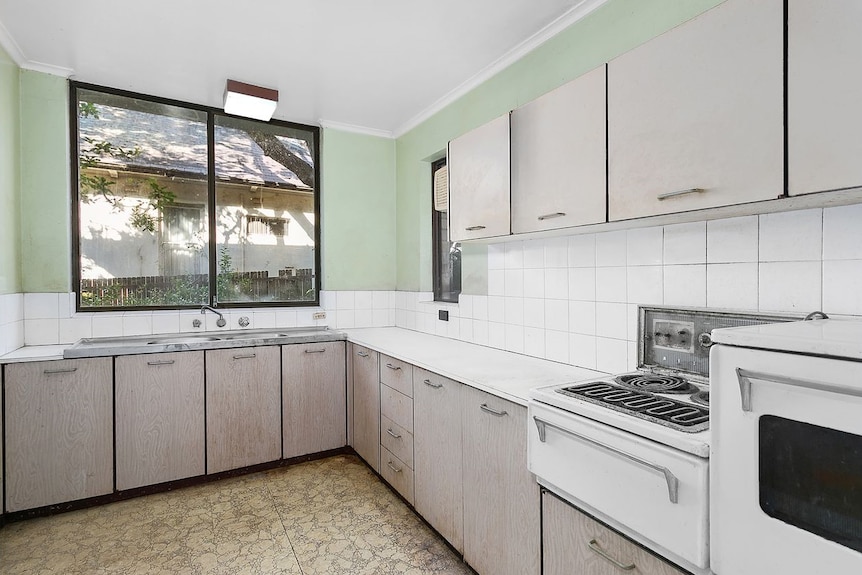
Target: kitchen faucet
[{"x": 221, "y": 320}]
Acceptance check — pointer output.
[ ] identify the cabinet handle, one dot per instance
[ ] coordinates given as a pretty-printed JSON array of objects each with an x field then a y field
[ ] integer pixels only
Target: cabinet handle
[
  {"x": 474, "y": 228},
  {"x": 393, "y": 434},
  {"x": 161, "y": 362},
  {"x": 362, "y": 354},
  {"x": 484, "y": 407},
  {"x": 321, "y": 350},
  {"x": 56, "y": 371},
  {"x": 395, "y": 367},
  {"x": 430, "y": 383},
  {"x": 551, "y": 216},
  {"x": 247, "y": 356},
  {"x": 594, "y": 545},
  {"x": 392, "y": 467},
  {"x": 679, "y": 193},
  {"x": 669, "y": 477}
]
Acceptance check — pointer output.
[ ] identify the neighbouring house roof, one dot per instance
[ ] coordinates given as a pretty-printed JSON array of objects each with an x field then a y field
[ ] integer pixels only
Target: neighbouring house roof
[{"x": 178, "y": 146}]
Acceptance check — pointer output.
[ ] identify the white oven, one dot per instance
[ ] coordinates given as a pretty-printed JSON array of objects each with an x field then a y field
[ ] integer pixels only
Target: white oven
[{"x": 786, "y": 451}]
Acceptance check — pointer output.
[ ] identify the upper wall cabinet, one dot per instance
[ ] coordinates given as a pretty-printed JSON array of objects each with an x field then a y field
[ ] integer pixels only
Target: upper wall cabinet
[
  {"x": 479, "y": 187},
  {"x": 558, "y": 157},
  {"x": 824, "y": 94},
  {"x": 695, "y": 117}
]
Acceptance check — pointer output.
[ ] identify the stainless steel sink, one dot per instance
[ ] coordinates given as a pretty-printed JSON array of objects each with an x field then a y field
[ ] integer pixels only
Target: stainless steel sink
[{"x": 186, "y": 339}]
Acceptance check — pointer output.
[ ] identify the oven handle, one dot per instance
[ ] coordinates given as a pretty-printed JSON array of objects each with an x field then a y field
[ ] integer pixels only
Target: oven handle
[
  {"x": 744, "y": 376},
  {"x": 672, "y": 481}
]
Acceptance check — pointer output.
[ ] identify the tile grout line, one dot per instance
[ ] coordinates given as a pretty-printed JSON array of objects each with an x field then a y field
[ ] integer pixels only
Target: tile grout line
[{"x": 283, "y": 526}]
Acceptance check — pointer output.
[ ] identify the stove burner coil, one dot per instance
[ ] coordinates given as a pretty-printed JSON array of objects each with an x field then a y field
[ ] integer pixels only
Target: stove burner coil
[
  {"x": 662, "y": 410},
  {"x": 655, "y": 383},
  {"x": 701, "y": 397}
]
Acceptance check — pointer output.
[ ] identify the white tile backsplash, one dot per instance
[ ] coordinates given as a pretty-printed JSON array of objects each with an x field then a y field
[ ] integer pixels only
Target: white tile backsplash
[
  {"x": 514, "y": 255},
  {"x": 685, "y": 285},
  {"x": 733, "y": 240},
  {"x": 611, "y": 248},
  {"x": 732, "y": 286},
  {"x": 644, "y": 247},
  {"x": 582, "y": 251},
  {"x": 611, "y": 284},
  {"x": 842, "y": 233},
  {"x": 42, "y": 305},
  {"x": 556, "y": 253},
  {"x": 514, "y": 283},
  {"x": 556, "y": 283},
  {"x": 791, "y": 236},
  {"x": 556, "y": 314},
  {"x": 790, "y": 286},
  {"x": 842, "y": 287},
  {"x": 685, "y": 243}
]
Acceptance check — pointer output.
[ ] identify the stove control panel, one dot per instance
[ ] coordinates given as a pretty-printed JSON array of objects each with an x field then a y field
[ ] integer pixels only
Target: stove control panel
[{"x": 673, "y": 335}]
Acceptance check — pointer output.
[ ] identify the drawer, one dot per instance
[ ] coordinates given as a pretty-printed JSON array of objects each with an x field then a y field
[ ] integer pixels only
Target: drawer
[
  {"x": 397, "y": 440},
  {"x": 397, "y": 407},
  {"x": 396, "y": 374},
  {"x": 397, "y": 474}
]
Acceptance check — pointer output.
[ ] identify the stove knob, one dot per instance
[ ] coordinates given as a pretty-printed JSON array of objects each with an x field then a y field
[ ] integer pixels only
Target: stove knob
[{"x": 705, "y": 340}]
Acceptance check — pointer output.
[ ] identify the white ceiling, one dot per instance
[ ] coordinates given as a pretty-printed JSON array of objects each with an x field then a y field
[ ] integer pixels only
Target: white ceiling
[{"x": 378, "y": 65}]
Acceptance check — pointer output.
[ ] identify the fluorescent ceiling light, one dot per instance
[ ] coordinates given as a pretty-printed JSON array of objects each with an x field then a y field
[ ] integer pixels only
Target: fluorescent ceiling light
[{"x": 249, "y": 101}]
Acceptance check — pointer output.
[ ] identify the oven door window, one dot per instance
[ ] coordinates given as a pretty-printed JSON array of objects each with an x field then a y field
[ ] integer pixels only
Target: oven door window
[{"x": 811, "y": 477}]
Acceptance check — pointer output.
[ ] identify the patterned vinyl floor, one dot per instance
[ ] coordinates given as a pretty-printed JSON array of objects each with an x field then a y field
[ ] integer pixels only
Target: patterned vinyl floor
[{"x": 326, "y": 517}]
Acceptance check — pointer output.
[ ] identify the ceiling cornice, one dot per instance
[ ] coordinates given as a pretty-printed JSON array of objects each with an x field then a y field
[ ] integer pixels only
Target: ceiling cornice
[
  {"x": 571, "y": 16},
  {"x": 344, "y": 127},
  {"x": 14, "y": 50},
  {"x": 47, "y": 69}
]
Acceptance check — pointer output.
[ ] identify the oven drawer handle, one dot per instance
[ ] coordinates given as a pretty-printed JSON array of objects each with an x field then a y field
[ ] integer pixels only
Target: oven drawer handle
[
  {"x": 670, "y": 478},
  {"x": 744, "y": 376},
  {"x": 594, "y": 545}
]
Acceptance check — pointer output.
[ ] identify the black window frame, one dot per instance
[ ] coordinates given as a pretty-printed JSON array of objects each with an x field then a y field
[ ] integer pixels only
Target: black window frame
[
  {"x": 211, "y": 113},
  {"x": 436, "y": 242}
]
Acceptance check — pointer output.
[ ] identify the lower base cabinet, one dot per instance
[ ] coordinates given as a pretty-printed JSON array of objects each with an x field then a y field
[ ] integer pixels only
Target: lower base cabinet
[
  {"x": 573, "y": 542},
  {"x": 159, "y": 418},
  {"x": 243, "y": 407},
  {"x": 501, "y": 497},
  {"x": 59, "y": 431},
  {"x": 366, "y": 404}
]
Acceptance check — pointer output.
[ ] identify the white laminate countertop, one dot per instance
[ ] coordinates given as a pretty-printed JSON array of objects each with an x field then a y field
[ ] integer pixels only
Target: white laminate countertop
[
  {"x": 501, "y": 373},
  {"x": 840, "y": 338},
  {"x": 34, "y": 353}
]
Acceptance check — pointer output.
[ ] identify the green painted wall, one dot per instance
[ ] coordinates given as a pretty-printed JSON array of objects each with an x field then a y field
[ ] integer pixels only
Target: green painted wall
[
  {"x": 45, "y": 199},
  {"x": 358, "y": 212},
  {"x": 10, "y": 176},
  {"x": 611, "y": 30}
]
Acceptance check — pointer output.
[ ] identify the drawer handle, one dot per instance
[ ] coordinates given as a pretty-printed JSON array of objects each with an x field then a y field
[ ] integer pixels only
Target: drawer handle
[
  {"x": 484, "y": 407},
  {"x": 594, "y": 545},
  {"x": 321, "y": 350},
  {"x": 474, "y": 228},
  {"x": 392, "y": 467},
  {"x": 393, "y": 434},
  {"x": 551, "y": 216},
  {"x": 395, "y": 367},
  {"x": 362, "y": 354},
  {"x": 667, "y": 195},
  {"x": 161, "y": 362},
  {"x": 247, "y": 356},
  {"x": 57, "y": 371},
  {"x": 430, "y": 383},
  {"x": 669, "y": 477}
]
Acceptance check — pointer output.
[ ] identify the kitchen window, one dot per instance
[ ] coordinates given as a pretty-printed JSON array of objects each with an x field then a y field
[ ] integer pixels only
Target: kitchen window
[
  {"x": 446, "y": 254},
  {"x": 179, "y": 205}
]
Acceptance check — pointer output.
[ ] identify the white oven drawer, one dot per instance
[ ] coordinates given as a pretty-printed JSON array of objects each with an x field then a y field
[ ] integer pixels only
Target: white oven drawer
[
  {"x": 659, "y": 493},
  {"x": 810, "y": 401}
]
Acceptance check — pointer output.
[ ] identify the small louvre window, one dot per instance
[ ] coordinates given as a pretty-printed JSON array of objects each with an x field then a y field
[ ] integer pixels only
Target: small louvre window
[
  {"x": 264, "y": 226},
  {"x": 441, "y": 189}
]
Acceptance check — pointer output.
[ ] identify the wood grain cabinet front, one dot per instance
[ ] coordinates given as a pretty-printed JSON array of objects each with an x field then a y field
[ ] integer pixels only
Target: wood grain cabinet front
[
  {"x": 59, "y": 431},
  {"x": 159, "y": 418},
  {"x": 365, "y": 395},
  {"x": 695, "y": 117},
  {"x": 243, "y": 407},
  {"x": 573, "y": 542},
  {"x": 501, "y": 497},
  {"x": 314, "y": 407}
]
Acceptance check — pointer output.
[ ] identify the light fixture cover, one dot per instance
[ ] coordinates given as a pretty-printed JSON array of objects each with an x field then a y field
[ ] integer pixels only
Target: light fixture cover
[{"x": 250, "y": 101}]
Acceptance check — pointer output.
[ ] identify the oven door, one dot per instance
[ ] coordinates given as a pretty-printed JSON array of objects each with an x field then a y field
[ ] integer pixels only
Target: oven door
[
  {"x": 656, "y": 494},
  {"x": 786, "y": 464}
]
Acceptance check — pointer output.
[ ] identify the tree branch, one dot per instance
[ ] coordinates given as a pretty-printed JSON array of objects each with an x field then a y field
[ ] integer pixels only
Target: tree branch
[{"x": 278, "y": 152}]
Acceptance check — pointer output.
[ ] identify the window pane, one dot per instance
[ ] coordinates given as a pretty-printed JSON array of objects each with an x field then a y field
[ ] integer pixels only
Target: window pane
[
  {"x": 265, "y": 217},
  {"x": 447, "y": 255},
  {"x": 142, "y": 184}
]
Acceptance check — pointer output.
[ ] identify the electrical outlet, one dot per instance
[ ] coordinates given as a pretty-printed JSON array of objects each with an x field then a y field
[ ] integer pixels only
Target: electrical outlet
[
  {"x": 443, "y": 314},
  {"x": 318, "y": 315}
]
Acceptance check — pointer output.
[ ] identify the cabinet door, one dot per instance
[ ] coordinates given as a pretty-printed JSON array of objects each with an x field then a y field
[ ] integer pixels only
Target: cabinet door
[
  {"x": 437, "y": 454},
  {"x": 559, "y": 150},
  {"x": 479, "y": 182},
  {"x": 59, "y": 432},
  {"x": 314, "y": 397},
  {"x": 695, "y": 117},
  {"x": 366, "y": 404},
  {"x": 501, "y": 497},
  {"x": 243, "y": 410},
  {"x": 159, "y": 418},
  {"x": 571, "y": 538},
  {"x": 824, "y": 89}
]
